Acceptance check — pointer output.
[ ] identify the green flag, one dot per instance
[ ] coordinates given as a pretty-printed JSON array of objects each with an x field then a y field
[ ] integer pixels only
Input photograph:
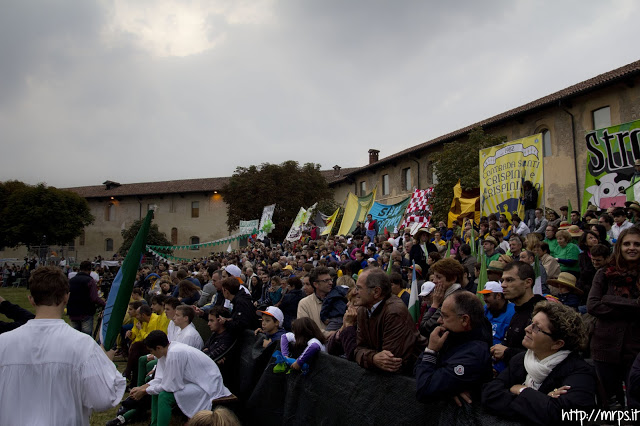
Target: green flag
[
  {"x": 472, "y": 242},
  {"x": 390, "y": 266},
  {"x": 414, "y": 302},
  {"x": 570, "y": 210},
  {"x": 448, "y": 253},
  {"x": 482, "y": 278},
  {"x": 122, "y": 286}
]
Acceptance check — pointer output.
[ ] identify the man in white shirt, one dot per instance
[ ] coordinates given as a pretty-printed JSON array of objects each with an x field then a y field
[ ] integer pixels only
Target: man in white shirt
[
  {"x": 187, "y": 332},
  {"x": 46, "y": 356},
  {"x": 620, "y": 223},
  {"x": 185, "y": 376}
]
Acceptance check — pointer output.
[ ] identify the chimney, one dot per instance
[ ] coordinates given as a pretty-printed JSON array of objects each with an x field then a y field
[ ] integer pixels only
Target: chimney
[
  {"x": 373, "y": 155},
  {"x": 336, "y": 170}
]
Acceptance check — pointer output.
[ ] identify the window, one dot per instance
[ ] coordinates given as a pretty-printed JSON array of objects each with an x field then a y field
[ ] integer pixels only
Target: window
[
  {"x": 72, "y": 246},
  {"x": 194, "y": 240},
  {"x": 406, "y": 179},
  {"x": 108, "y": 244},
  {"x": 546, "y": 143},
  {"x": 385, "y": 184},
  {"x": 363, "y": 188},
  {"x": 195, "y": 209},
  {"x": 174, "y": 236},
  {"x": 602, "y": 118},
  {"x": 81, "y": 239},
  {"x": 431, "y": 171},
  {"x": 110, "y": 212}
]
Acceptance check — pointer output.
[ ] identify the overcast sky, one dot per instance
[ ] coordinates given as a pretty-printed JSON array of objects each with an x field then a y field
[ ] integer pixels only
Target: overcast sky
[{"x": 147, "y": 90}]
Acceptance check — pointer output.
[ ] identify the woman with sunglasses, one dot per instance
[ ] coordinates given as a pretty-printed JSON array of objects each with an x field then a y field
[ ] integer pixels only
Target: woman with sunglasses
[{"x": 550, "y": 376}]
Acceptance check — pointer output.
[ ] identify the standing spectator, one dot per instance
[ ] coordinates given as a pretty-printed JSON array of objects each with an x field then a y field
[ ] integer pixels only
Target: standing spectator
[
  {"x": 421, "y": 249},
  {"x": 530, "y": 202},
  {"x": 83, "y": 298},
  {"x": 613, "y": 300},
  {"x": 290, "y": 301},
  {"x": 310, "y": 306},
  {"x": 539, "y": 223},
  {"x": 371, "y": 227}
]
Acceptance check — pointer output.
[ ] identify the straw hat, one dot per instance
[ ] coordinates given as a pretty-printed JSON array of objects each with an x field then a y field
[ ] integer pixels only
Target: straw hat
[
  {"x": 575, "y": 231},
  {"x": 421, "y": 230},
  {"x": 592, "y": 208},
  {"x": 566, "y": 280},
  {"x": 634, "y": 206},
  {"x": 496, "y": 265},
  {"x": 491, "y": 240},
  {"x": 593, "y": 222}
]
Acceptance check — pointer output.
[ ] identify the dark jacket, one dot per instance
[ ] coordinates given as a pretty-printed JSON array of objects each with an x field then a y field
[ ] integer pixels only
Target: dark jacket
[
  {"x": 289, "y": 306},
  {"x": 463, "y": 364},
  {"x": 587, "y": 273},
  {"x": 14, "y": 312},
  {"x": 243, "y": 316},
  {"x": 535, "y": 406},
  {"x": 344, "y": 342},
  {"x": 83, "y": 296},
  {"x": 217, "y": 344},
  {"x": 334, "y": 304},
  {"x": 633, "y": 392},
  {"x": 515, "y": 332},
  {"x": 418, "y": 255},
  {"x": 616, "y": 335}
]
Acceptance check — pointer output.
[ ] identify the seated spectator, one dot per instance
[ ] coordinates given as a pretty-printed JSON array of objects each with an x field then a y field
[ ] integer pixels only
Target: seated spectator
[
  {"x": 519, "y": 227},
  {"x": 567, "y": 253},
  {"x": 447, "y": 274},
  {"x": 321, "y": 283},
  {"x": 188, "y": 292},
  {"x": 550, "y": 377},
  {"x": 146, "y": 322},
  {"x": 290, "y": 301},
  {"x": 499, "y": 313},
  {"x": 303, "y": 342},
  {"x": 244, "y": 312},
  {"x": 457, "y": 358},
  {"x": 221, "y": 339},
  {"x": 19, "y": 315},
  {"x": 568, "y": 294},
  {"x": 425, "y": 296},
  {"x": 185, "y": 377},
  {"x": 399, "y": 288},
  {"x": 343, "y": 343},
  {"x": 620, "y": 223},
  {"x": 387, "y": 339},
  {"x": 334, "y": 306},
  {"x": 186, "y": 332},
  {"x": 489, "y": 245},
  {"x": 272, "y": 318},
  {"x": 549, "y": 263},
  {"x": 540, "y": 285},
  {"x": 221, "y": 416},
  {"x": 591, "y": 248}
]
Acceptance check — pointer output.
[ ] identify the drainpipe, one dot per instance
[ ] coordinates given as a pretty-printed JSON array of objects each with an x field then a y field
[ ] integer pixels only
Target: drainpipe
[
  {"x": 416, "y": 161},
  {"x": 575, "y": 151}
]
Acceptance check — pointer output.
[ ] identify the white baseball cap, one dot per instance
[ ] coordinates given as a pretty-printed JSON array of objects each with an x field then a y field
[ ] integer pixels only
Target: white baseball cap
[
  {"x": 427, "y": 288},
  {"x": 276, "y": 313},
  {"x": 233, "y": 270},
  {"x": 491, "y": 287}
]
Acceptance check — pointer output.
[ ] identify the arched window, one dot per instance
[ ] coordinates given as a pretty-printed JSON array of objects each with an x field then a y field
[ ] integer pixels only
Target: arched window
[
  {"x": 174, "y": 236},
  {"x": 194, "y": 240},
  {"x": 108, "y": 244},
  {"x": 546, "y": 143}
]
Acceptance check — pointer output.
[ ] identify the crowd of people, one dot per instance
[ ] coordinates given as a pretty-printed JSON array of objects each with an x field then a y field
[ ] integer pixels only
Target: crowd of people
[{"x": 554, "y": 327}]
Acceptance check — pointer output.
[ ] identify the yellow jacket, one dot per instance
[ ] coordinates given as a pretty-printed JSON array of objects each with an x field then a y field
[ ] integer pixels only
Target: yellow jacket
[{"x": 138, "y": 334}]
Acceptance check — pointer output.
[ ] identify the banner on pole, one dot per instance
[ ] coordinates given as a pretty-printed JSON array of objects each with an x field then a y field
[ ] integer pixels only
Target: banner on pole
[
  {"x": 388, "y": 216},
  {"x": 248, "y": 226},
  {"x": 266, "y": 224},
  {"x": 328, "y": 224},
  {"x": 611, "y": 153},
  {"x": 503, "y": 170},
  {"x": 355, "y": 210}
]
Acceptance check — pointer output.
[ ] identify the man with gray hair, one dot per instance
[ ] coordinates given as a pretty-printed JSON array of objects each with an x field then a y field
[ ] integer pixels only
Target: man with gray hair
[{"x": 387, "y": 337}]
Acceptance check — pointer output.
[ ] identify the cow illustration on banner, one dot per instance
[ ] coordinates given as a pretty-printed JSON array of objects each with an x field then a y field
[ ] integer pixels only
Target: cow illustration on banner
[
  {"x": 504, "y": 169},
  {"x": 611, "y": 154}
]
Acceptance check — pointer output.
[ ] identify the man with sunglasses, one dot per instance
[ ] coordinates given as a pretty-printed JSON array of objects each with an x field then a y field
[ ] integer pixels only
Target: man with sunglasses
[{"x": 517, "y": 286}]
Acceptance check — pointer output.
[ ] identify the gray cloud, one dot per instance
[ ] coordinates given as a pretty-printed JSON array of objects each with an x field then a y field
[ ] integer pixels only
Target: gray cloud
[{"x": 83, "y": 99}]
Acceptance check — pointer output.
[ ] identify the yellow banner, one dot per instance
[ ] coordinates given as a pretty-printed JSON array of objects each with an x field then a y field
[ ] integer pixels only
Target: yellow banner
[
  {"x": 462, "y": 207},
  {"x": 503, "y": 171},
  {"x": 355, "y": 209},
  {"x": 329, "y": 222}
]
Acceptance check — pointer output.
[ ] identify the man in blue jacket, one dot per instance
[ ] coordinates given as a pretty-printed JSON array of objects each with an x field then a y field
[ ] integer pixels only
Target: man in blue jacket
[
  {"x": 499, "y": 312},
  {"x": 457, "y": 358}
]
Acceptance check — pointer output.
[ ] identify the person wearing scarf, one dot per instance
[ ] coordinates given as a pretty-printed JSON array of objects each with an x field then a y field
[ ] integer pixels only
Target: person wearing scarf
[{"x": 550, "y": 376}]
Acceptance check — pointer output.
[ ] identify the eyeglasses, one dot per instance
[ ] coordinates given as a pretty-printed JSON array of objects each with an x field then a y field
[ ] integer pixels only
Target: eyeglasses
[
  {"x": 536, "y": 329},
  {"x": 328, "y": 280}
]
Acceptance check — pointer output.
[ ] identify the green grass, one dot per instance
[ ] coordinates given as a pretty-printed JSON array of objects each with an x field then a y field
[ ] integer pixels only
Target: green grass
[{"x": 19, "y": 297}]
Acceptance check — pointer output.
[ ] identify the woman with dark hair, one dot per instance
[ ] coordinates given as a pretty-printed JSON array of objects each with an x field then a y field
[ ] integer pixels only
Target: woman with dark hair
[
  {"x": 587, "y": 271},
  {"x": 289, "y": 303},
  {"x": 613, "y": 300},
  {"x": 553, "y": 218},
  {"x": 550, "y": 377},
  {"x": 601, "y": 231},
  {"x": 188, "y": 292}
]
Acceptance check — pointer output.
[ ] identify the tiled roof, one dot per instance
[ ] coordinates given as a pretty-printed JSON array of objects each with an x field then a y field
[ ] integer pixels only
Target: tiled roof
[
  {"x": 152, "y": 188},
  {"x": 598, "y": 82},
  {"x": 173, "y": 186}
]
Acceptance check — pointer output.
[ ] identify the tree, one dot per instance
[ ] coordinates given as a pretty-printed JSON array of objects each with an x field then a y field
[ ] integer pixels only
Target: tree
[
  {"x": 287, "y": 185},
  {"x": 155, "y": 237},
  {"x": 459, "y": 161},
  {"x": 29, "y": 213}
]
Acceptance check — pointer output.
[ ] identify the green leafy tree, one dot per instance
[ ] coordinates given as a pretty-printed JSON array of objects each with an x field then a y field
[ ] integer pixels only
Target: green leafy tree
[
  {"x": 29, "y": 213},
  {"x": 155, "y": 237},
  {"x": 288, "y": 185},
  {"x": 459, "y": 161}
]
